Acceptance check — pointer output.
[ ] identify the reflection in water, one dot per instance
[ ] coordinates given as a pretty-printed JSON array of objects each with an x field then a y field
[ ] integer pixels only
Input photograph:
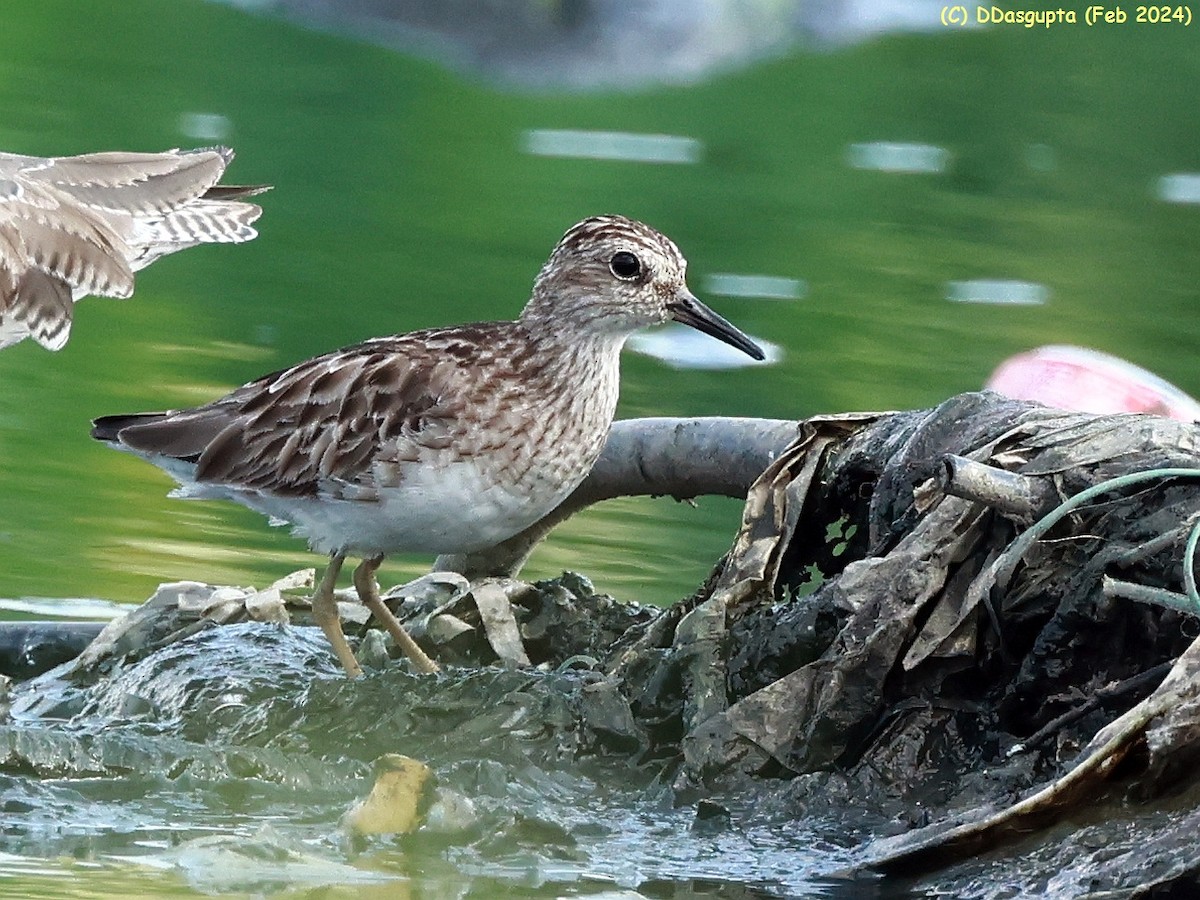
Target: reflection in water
[
  {"x": 64, "y": 608},
  {"x": 205, "y": 126},
  {"x": 616, "y": 145},
  {"x": 1183, "y": 187},
  {"x": 985, "y": 290},
  {"x": 1041, "y": 157},
  {"x": 767, "y": 287},
  {"x": 686, "y": 348},
  {"x": 886, "y": 156}
]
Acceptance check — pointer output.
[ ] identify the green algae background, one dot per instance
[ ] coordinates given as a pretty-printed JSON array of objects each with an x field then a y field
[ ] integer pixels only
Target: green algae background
[{"x": 403, "y": 198}]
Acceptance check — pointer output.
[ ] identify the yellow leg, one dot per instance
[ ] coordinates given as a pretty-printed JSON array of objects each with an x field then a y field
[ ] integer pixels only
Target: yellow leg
[
  {"x": 325, "y": 614},
  {"x": 368, "y": 593}
]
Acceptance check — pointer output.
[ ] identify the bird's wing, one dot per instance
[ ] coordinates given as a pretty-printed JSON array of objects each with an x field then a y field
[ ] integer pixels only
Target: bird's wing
[
  {"x": 137, "y": 184},
  {"x": 49, "y": 251},
  {"x": 156, "y": 203},
  {"x": 77, "y": 225},
  {"x": 342, "y": 424}
]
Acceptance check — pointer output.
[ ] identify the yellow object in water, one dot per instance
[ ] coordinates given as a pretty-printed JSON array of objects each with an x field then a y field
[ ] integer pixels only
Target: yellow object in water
[{"x": 398, "y": 800}]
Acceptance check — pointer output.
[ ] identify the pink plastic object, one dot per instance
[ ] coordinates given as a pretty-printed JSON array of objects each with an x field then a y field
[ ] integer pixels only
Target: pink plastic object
[{"x": 1089, "y": 381}]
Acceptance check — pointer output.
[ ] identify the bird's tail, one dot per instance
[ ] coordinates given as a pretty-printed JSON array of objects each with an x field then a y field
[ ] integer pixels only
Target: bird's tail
[{"x": 109, "y": 428}]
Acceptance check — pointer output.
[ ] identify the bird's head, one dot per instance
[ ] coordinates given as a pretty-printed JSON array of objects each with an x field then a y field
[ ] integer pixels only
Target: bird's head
[{"x": 612, "y": 276}]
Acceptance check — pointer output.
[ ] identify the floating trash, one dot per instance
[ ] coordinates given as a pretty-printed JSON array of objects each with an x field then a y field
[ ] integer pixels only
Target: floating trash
[
  {"x": 619, "y": 145},
  {"x": 885, "y": 156},
  {"x": 205, "y": 126},
  {"x": 685, "y": 348},
  {"x": 1181, "y": 187},
  {"x": 1085, "y": 380},
  {"x": 983, "y": 290},
  {"x": 767, "y": 287}
]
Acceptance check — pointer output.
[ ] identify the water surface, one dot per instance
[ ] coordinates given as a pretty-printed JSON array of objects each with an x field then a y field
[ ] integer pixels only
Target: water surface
[{"x": 408, "y": 196}]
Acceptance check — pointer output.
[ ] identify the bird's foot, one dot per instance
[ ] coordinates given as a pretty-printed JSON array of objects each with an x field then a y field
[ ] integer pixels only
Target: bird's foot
[{"x": 368, "y": 593}]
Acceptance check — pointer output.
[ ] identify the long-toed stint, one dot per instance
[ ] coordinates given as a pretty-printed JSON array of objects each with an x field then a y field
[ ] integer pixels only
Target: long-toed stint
[{"x": 447, "y": 440}]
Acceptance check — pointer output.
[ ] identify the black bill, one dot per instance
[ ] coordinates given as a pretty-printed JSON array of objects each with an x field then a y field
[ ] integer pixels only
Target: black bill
[{"x": 686, "y": 309}]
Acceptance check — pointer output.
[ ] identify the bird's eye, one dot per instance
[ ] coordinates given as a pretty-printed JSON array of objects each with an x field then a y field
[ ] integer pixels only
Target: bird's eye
[{"x": 625, "y": 265}]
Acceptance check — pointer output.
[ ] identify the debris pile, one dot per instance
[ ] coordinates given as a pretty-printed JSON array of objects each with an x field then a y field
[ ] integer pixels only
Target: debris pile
[{"x": 945, "y": 628}]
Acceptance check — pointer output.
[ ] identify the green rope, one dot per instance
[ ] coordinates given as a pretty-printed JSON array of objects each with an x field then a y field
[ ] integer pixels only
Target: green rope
[
  {"x": 1189, "y": 565},
  {"x": 1008, "y": 560}
]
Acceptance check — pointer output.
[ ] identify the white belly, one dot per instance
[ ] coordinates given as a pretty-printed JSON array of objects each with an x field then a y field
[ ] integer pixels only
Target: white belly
[{"x": 448, "y": 509}]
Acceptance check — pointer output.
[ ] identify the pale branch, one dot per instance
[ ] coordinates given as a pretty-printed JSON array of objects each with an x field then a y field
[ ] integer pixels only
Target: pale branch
[
  {"x": 1016, "y": 496},
  {"x": 681, "y": 458}
]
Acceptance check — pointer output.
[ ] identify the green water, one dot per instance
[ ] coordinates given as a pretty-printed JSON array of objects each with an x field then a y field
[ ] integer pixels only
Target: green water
[{"x": 404, "y": 199}]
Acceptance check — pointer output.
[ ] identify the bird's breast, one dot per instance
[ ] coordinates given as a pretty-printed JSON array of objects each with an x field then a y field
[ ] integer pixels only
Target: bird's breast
[{"x": 550, "y": 432}]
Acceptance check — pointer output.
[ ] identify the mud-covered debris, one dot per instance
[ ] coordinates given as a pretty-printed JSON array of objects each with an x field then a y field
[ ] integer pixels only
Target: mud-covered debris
[
  {"x": 505, "y": 620},
  {"x": 444, "y": 629},
  {"x": 607, "y": 714},
  {"x": 350, "y": 610},
  {"x": 910, "y": 639},
  {"x": 492, "y": 599},
  {"x": 1167, "y": 723},
  {"x": 429, "y": 592},
  {"x": 880, "y": 649},
  {"x": 29, "y": 648},
  {"x": 179, "y": 609},
  {"x": 267, "y": 606}
]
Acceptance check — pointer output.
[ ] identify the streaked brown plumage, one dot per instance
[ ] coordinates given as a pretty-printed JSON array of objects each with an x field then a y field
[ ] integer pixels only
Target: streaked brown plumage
[
  {"x": 77, "y": 225},
  {"x": 444, "y": 440}
]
